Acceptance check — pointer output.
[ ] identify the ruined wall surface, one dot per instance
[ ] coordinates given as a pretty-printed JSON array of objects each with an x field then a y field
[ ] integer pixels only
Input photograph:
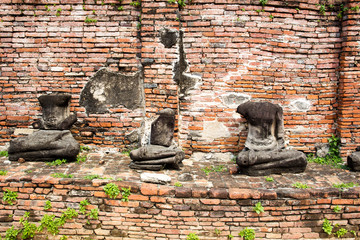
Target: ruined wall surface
[
  {"x": 50, "y": 47},
  {"x": 202, "y": 60},
  {"x": 167, "y": 212},
  {"x": 349, "y": 85}
]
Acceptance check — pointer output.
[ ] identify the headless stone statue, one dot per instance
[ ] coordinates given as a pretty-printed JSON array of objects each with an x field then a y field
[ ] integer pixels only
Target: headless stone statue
[
  {"x": 56, "y": 112},
  {"x": 353, "y": 160},
  {"x": 159, "y": 154},
  {"x": 264, "y": 151},
  {"x": 54, "y": 140}
]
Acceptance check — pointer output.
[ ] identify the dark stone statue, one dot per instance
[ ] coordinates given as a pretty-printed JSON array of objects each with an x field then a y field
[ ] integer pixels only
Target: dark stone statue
[
  {"x": 162, "y": 129},
  {"x": 44, "y": 145},
  {"x": 56, "y": 112},
  {"x": 159, "y": 154},
  {"x": 264, "y": 151},
  {"x": 54, "y": 140},
  {"x": 353, "y": 160}
]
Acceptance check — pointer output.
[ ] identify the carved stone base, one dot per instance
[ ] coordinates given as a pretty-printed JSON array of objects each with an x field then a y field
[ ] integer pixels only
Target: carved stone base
[
  {"x": 271, "y": 162},
  {"x": 45, "y": 145},
  {"x": 155, "y": 158}
]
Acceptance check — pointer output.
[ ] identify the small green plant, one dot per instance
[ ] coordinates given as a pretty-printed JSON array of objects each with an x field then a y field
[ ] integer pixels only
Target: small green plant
[
  {"x": 51, "y": 223},
  {"x": 271, "y": 16},
  {"x": 120, "y": 8},
  {"x": 125, "y": 193},
  {"x": 207, "y": 170},
  {"x": 81, "y": 158},
  {"x": 269, "y": 179},
  {"x": 93, "y": 214},
  {"x": 82, "y": 207},
  {"x": 62, "y": 175},
  {"x": 181, "y": 3},
  {"x": 28, "y": 171},
  {"x": 337, "y": 209},
  {"x": 171, "y": 1},
  {"x": 126, "y": 152},
  {"x": 355, "y": 9},
  {"x": 343, "y": 186},
  {"x": 135, "y": 4},
  {"x": 3, "y": 172},
  {"x": 217, "y": 232},
  {"x": 341, "y": 232},
  {"x": 353, "y": 233},
  {"x": 10, "y": 197},
  {"x": 4, "y": 153},
  {"x": 258, "y": 10},
  {"x": 29, "y": 229},
  {"x": 90, "y": 20},
  {"x": 84, "y": 148},
  {"x": 112, "y": 190},
  {"x": 230, "y": 237},
  {"x": 327, "y": 226},
  {"x": 47, "y": 205},
  {"x": 258, "y": 208},
  {"x": 247, "y": 234},
  {"x": 177, "y": 184},
  {"x": 300, "y": 185},
  {"x": 47, "y": 8},
  {"x": 263, "y": 2},
  {"x": 322, "y": 9},
  {"x": 192, "y": 236},
  {"x": 333, "y": 157},
  {"x": 57, "y": 162},
  {"x": 58, "y": 12},
  {"x": 92, "y": 176},
  {"x": 64, "y": 238},
  {"x": 11, "y": 233},
  {"x": 297, "y": 9}
]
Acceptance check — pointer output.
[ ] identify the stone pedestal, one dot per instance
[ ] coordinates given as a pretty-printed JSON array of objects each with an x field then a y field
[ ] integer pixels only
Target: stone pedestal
[{"x": 44, "y": 145}]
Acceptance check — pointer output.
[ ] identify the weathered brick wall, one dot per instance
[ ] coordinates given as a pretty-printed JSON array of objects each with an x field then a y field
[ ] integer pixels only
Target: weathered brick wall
[
  {"x": 47, "y": 47},
  {"x": 348, "y": 121},
  {"x": 166, "y": 212},
  {"x": 228, "y": 51}
]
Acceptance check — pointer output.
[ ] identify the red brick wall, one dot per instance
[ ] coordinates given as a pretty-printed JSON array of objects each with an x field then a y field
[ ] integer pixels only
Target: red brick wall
[
  {"x": 168, "y": 212},
  {"x": 288, "y": 54},
  {"x": 349, "y": 96}
]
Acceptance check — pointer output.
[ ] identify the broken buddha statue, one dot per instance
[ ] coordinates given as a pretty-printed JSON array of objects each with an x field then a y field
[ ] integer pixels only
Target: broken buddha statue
[
  {"x": 264, "y": 152},
  {"x": 54, "y": 139},
  {"x": 160, "y": 153}
]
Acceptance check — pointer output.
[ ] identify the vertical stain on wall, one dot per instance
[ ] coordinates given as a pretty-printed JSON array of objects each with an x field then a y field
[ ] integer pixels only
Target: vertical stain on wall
[{"x": 184, "y": 81}]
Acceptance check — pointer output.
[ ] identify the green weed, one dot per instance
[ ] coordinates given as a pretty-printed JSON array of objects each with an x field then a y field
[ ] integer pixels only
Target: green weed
[
  {"x": 125, "y": 193},
  {"x": 300, "y": 185},
  {"x": 10, "y": 197},
  {"x": 247, "y": 234},
  {"x": 112, "y": 190},
  {"x": 258, "y": 208},
  {"x": 62, "y": 175}
]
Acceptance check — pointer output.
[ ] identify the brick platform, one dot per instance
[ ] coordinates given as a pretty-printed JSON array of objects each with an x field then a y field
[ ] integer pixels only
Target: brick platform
[{"x": 216, "y": 201}]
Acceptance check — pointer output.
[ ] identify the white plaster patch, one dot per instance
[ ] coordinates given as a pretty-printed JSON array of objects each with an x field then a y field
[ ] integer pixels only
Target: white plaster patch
[
  {"x": 155, "y": 178},
  {"x": 213, "y": 130},
  {"x": 211, "y": 157},
  {"x": 300, "y": 105},
  {"x": 234, "y": 99},
  {"x": 145, "y": 139},
  {"x": 23, "y": 131},
  {"x": 98, "y": 92}
]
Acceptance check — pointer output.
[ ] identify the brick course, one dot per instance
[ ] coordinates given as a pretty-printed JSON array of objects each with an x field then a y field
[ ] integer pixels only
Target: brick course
[{"x": 149, "y": 215}]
